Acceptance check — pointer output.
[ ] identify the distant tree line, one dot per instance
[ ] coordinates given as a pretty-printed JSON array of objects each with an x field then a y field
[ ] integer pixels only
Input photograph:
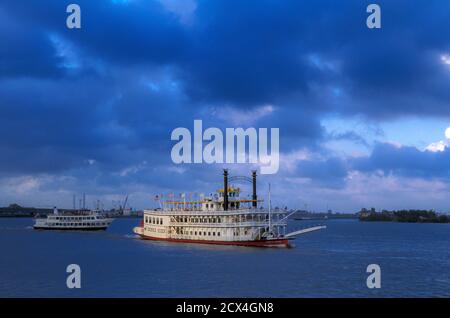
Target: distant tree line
[
  {"x": 15, "y": 210},
  {"x": 407, "y": 216}
]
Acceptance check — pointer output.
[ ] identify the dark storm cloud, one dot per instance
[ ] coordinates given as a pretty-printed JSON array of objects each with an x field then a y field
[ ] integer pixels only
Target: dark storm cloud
[
  {"x": 351, "y": 136},
  {"x": 67, "y": 122},
  {"x": 248, "y": 54},
  {"x": 329, "y": 173},
  {"x": 25, "y": 51},
  {"x": 385, "y": 159},
  {"x": 137, "y": 32},
  {"x": 95, "y": 102},
  {"x": 405, "y": 161}
]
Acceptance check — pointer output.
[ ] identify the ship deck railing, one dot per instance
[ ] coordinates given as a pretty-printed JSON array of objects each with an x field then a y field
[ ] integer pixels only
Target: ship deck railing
[
  {"x": 229, "y": 224},
  {"x": 213, "y": 212},
  {"x": 223, "y": 238}
]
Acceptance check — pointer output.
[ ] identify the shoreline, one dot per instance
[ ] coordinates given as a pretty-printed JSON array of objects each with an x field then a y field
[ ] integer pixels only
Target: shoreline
[{"x": 404, "y": 216}]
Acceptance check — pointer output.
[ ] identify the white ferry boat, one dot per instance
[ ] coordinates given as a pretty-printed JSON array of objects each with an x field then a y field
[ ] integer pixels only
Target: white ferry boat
[
  {"x": 83, "y": 220},
  {"x": 224, "y": 219}
]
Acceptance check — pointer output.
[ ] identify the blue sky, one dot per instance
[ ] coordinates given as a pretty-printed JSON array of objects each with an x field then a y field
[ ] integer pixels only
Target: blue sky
[{"x": 362, "y": 113}]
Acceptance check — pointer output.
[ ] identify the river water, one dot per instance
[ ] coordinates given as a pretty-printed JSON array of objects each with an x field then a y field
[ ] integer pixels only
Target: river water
[{"x": 414, "y": 261}]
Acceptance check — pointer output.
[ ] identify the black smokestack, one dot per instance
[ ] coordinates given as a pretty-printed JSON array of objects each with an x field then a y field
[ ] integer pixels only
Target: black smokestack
[
  {"x": 254, "y": 197},
  {"x": 225, "y": 189}
]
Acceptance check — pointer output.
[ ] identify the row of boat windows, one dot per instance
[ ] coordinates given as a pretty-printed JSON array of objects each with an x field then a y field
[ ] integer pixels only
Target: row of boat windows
[
  {"x": 153, "y": 220},
  {"x": 80, "y": 224},
  {"x": 198, "y": 220},
  {"x": 69, "y": 218},
  {"x": 182, "y": 231},
  {"x": 235, "y": 233},
  {"x": 231, "y": 205},
  {"x": 247, "y": 218},
  {"x": 159, "y": 221}
]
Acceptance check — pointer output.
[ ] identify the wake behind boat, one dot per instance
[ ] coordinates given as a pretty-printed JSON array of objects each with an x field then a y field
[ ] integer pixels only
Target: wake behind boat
[
  {"x": 223, "y": 219},
  {"x": 83, "y": 220}
]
